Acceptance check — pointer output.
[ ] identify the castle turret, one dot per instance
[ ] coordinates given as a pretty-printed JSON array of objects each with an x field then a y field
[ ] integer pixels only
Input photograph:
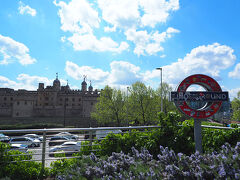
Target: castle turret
[
  {"x": 84, "y": 84},
  {"x": 56, "y": 83},
  {"x": 90, "y": 88},
  {"x": 40, "y": 86}
]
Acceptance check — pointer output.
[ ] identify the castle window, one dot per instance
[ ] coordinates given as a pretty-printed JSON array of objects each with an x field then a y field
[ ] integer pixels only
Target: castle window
[
  {"x": 18, "y": 103},
  {"x": 11, "y": 98},
  {"x": 66, "y": 99},
  {"x": 46, "y": 104},
  {"x": 91, "y": 103},
  {"x": 5, "y": 98},
  {"x": 25, "y": 102},
  {"x": 17, "y": 114},
  {"x": 73, "y": 99},
  {"x": 79, "y": 99}
]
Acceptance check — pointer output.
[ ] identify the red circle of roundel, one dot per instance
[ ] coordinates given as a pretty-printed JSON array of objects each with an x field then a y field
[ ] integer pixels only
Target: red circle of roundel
[{"x": 207, "y": 83}]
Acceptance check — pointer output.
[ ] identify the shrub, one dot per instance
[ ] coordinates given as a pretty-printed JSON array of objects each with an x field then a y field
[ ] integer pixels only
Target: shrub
[
  {"x": 15, "y": 167},
  {"x": 168, "y": 165}
]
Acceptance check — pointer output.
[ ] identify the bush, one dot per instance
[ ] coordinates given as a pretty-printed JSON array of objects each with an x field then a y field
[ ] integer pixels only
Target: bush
[
  {"x": 234, "y": 125},
  {"x": 19, "y": 169},
  {"x": 168, "y": 165}
]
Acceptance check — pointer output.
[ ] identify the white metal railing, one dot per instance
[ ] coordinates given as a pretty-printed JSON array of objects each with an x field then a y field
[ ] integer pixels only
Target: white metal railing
[{"x": 81, "y": 132}]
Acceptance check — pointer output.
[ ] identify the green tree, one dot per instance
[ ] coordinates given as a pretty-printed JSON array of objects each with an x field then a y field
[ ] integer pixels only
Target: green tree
[
  {"x": 236, "y": 107},
  {"x": 109, "y": 110},
  {"x": 142, "y": 104},
  {"x": 167, "y": 104}
]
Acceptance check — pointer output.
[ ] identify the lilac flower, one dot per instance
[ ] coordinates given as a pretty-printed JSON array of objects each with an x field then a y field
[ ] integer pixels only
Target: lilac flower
[
  {"x": 221, "y": 172},
  {"x": 180, "y": 155},
  {"x": 234, "y": 156},
  {"x": 135, "y": 152},
  {"x": 93, "y": 157},
  {"x": 237, "y": 176}
]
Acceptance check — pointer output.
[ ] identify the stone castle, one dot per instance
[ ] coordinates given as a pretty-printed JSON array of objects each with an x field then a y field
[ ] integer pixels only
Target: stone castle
[{"x": 54, "y": 101}]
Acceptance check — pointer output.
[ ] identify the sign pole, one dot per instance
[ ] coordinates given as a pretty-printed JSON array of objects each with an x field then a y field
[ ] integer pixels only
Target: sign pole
[{"x": 198, "y": 135}]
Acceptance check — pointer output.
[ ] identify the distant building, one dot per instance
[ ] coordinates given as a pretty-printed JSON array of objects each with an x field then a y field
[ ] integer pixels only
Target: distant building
[{"x": 52, "y": 101}]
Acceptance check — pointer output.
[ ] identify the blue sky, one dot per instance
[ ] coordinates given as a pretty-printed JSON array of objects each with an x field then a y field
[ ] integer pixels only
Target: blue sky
[{"x": 118, "y": 42}]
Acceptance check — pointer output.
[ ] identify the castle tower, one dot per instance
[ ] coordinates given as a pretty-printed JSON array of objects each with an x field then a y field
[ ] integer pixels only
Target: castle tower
[
  {"x": 56, "y": 83},
  {"x": 40, "y": 86},
  {"x": 84, "y": 84},
  {"x": 90, "y": 88}
]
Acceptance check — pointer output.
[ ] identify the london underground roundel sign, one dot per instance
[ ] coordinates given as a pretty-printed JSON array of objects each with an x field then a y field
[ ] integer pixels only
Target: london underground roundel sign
[{"x": 212, "y": 98}]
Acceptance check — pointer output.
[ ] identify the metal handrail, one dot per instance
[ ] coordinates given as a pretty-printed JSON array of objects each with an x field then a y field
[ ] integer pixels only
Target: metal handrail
[{"x": 74, "y": 129}]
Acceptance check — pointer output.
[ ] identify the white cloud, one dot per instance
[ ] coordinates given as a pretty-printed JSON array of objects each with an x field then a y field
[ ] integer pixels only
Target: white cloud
[
  {"x": 124, "y": 73},
  {"x": 127, "y": 14},
  {"x": 163, "y": 56},
  {"x": 149, "y": 44},
  {"x": 120, "y": 13},
  {"x": 82, "y": 19},
  {"x": 233, "y": 93},
  {"x": 90, "y": 42},
  {"x": 12, "y": 50},
  {"x": 25, "y": 9},
  {"x": 77, "y": 72},
  {"x": 25, "y": 81},
  {"x": 210, "y": 60},
  {"x": 235, "y": 73},
  {"x": 157, "y": 11},
  {"x": 77, "y": 16},
  {"x": 110, "y": 29},
  {"x": 63, "y": 39}
]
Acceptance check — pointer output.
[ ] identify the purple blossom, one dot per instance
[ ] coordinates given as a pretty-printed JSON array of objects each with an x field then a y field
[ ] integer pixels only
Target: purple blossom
[{"x": 168, "y": 166}]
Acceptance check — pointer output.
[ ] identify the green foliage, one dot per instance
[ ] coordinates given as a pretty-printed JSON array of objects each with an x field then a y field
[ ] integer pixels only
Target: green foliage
[
  {"x": 236, "y": 108},
  {"x": 211, "y": 123},
  {"x": 234, "y": 126},
  {"x": 138, "y": 107},
  {"x": 142, "y": 104},
  {"x": 60, "y": 166},
  {"x": 87, "y": 147},
  {"x": 213, "y": 139},
  {"x": 110, "y": 107},
  {"x": 19, "y": 169},
  {"x": 184, "y": 141},
  {"x": 167, "y": 105}
]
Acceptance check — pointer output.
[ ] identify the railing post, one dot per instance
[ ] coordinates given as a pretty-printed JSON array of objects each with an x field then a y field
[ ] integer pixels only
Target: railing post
[{"x": 43, "y": 151}]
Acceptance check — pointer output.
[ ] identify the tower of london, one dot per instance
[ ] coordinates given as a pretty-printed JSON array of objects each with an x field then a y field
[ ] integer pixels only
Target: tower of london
[{"x": 54, "y": 102}]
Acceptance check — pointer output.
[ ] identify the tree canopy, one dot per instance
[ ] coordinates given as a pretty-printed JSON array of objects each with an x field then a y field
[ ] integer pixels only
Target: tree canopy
[
  {"x": 109, "y": 109},
  {"x": 139, "y": 106},
  {"x": 236, "y": 107}
]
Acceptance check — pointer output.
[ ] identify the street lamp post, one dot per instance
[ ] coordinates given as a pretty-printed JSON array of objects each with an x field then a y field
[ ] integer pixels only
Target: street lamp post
[{"x": 161, "y": 88}]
